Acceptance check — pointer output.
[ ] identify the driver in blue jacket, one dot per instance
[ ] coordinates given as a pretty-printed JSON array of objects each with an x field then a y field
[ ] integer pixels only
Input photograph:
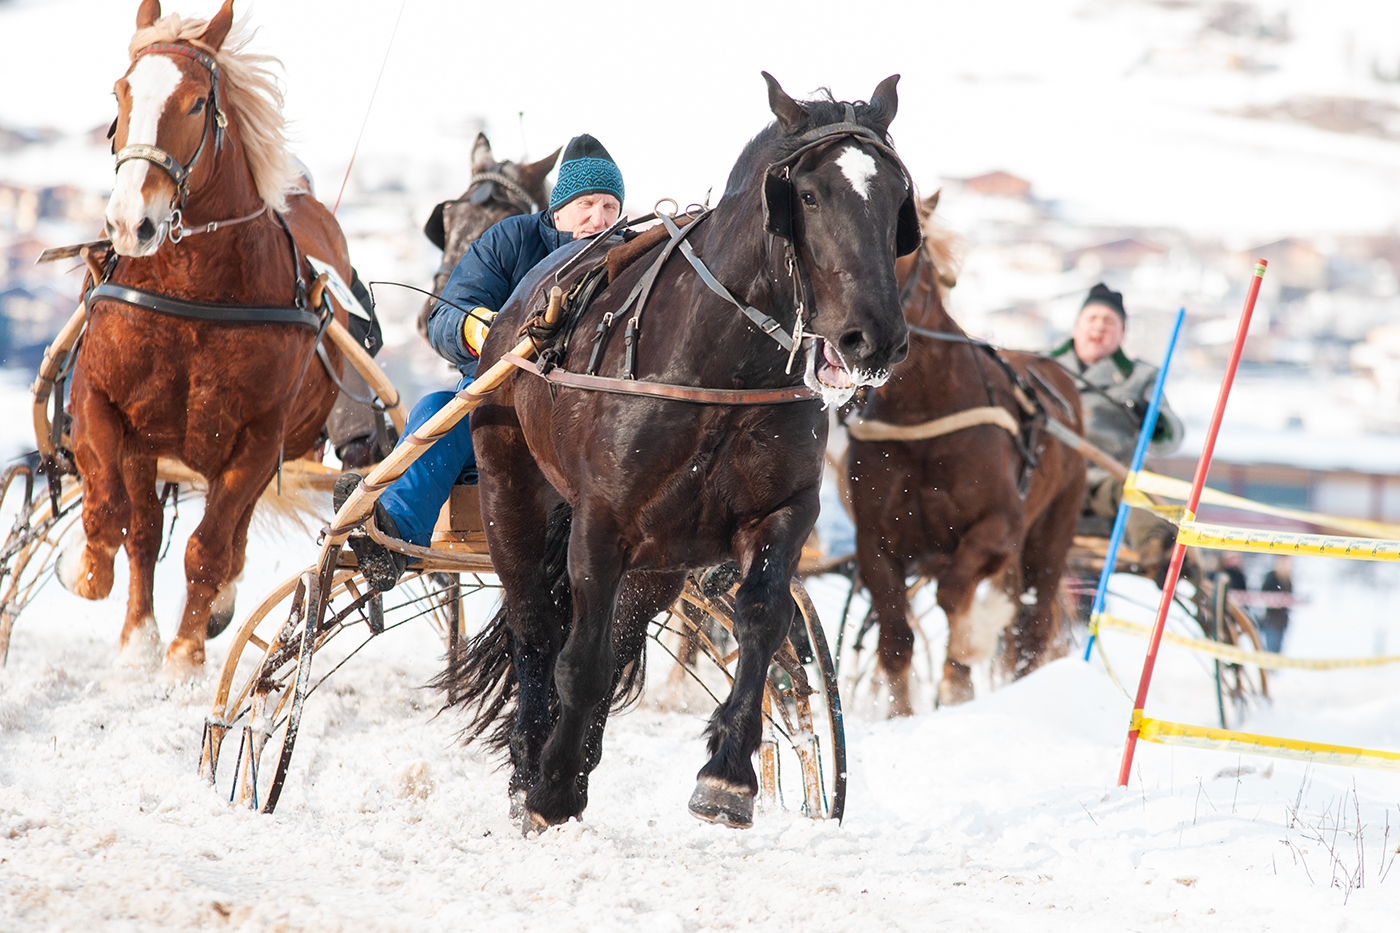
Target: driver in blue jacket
[{"x": 586, "y": 199}]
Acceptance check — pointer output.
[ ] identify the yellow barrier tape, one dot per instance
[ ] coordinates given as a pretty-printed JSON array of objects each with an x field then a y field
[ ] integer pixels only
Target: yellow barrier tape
[
  {"x": 1265, "y": 659},
  {"x": 1145, "y": 482},
  {"x": 1226, "y": 538},
  {"x": 1175, "y": 733}
]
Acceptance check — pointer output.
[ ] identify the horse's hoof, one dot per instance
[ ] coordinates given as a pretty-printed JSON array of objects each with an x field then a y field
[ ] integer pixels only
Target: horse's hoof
[
  {"x": 716, "y": 801},
  {"x": 141, "y": 647},
  {"x": 221, "y": 613},
  {"x": 517, "y": 806},
  {"x": 184, "y": 661},
  {"x": 78, "y": 573},
  {"x": 532, "y": 824}
]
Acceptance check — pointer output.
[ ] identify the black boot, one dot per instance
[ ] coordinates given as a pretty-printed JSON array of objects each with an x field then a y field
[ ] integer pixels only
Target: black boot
[{"x": 381, "y": 567}]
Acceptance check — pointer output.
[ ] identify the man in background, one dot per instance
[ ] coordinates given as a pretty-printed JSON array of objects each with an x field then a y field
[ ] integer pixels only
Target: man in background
[{"x": 1115, "y": 391}]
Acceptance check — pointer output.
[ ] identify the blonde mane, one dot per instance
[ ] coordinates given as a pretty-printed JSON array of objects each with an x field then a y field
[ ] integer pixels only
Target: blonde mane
[
  {"x": 249, "y": 93},
  {"x": 946, "y": 248}
]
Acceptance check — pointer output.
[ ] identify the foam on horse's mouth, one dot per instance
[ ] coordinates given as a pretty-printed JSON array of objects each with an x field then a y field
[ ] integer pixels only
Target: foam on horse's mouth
[
  {"x": 829, "y": 376},
  {"x": 831, "y": 370}
]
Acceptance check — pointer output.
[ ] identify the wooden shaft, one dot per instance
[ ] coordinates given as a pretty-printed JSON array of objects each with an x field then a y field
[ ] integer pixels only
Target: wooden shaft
[
  {"x": 55, "y": 354},
  {"x": 1067, "y": 436},
  {"x": 364, "y": 364},
  {"x": 361, "y": 501}
]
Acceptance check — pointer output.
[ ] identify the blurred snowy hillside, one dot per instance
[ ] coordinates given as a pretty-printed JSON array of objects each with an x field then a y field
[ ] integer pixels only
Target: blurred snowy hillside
[{"x": 1158, "y": 145}]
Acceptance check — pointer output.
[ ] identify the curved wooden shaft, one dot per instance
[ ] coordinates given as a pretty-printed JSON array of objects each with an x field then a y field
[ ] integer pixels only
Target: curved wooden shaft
[
  {"x": 361, "y": 501},
  {"x": 55, "y": 355},
  {"x": 364, "y": 364}
]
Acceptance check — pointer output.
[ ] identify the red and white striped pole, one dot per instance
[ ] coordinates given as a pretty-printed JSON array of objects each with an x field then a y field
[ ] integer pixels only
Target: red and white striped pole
[{"x": 1179, "y": 552}]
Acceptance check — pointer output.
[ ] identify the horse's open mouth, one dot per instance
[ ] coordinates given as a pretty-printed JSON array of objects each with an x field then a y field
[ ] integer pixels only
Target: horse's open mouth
[{"x": 831, "y": 370}]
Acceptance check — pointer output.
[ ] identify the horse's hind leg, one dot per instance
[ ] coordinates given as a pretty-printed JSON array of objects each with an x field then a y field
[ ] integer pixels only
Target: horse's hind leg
[
  {"x": 978, "y": 593},
  {"x": 643, "y": 595},
  {"x": 140, "y": 643},
  {"x": 884, "y": 578},
  {"x": 1039, "y": 633},
  {"x": 209, "y": 557},
  {"x": 99, "y": 440},
  {"x": 584, "y": 671},
  {"x": 727, "y": 784}
]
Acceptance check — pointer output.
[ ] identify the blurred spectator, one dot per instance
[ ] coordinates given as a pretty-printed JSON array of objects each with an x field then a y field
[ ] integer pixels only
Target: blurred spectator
[
  {"x": 1233, "y": 572},
  {"x": 1278, "y": 580}
]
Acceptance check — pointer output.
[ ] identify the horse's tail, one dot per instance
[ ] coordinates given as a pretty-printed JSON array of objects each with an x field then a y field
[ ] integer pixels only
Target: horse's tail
[{"x": 480, "y": 677}]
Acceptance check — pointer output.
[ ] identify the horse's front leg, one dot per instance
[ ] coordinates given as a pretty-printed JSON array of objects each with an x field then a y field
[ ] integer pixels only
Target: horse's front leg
[
  {"x": 768, "y": 554},
  {"x": 583, "y": 673},
  {"x": 140, "y": 642},
  {"x": 210, "y": 562},
  {"x": 99, "y": 440}
]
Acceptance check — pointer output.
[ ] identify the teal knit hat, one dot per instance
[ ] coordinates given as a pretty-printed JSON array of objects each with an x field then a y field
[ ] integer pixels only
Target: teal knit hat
[{"x": 586, "y": 169}]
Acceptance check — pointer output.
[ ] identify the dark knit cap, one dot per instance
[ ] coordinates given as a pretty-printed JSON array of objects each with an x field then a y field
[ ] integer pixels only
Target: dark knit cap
[
  {"x": 586, "y": 169},
  {"x": 1101, "y": 294}
]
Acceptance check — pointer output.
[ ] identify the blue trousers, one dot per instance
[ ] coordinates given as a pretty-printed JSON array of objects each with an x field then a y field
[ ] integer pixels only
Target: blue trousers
[{"x": 415, "y": 499}]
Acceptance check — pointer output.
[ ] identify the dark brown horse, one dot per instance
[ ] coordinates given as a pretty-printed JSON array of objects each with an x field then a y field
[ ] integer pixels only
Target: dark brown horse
[
  {"x": 497, "y": 190},
  {"x": 596, "y": 504},
  {"x": 953, "y": 507},
  {"x": 199, "y": 141}
]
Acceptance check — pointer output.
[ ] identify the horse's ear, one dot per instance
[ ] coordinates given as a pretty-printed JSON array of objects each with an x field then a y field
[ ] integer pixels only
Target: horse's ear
[
  {"x": 931, "y": 202},
  {"x": 532, "y": 175},
  {"x": 884, "y": 103},
  {"x": 147, "y": 13},
  {"x": 219, "y": 27},
  {"x": 788, "y": 111},
  {"x": 434, "y": 229},
  {"x": 482, "y": 157}
]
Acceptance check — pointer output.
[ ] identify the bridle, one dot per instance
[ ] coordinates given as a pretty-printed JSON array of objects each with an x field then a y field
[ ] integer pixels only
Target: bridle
[
  {"x": 180, "y": 172},
  {"x": 779, "y": 210}
]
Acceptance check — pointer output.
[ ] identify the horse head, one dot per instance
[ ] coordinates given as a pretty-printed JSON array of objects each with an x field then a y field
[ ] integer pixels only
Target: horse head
[
  {"x": 497, "y": 190},
  {"x": 840, "y": 197}
]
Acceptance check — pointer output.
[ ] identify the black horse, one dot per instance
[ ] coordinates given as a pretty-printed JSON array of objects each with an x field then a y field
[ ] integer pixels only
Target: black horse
[{"x": 597, "y": 503}]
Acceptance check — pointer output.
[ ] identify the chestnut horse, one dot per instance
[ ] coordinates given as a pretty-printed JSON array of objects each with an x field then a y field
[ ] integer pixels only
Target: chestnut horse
[
  {"x": 955, "y": 507},
  {"x": 497, "y": 190},
  {"x": 598, "y": 502},
  {"x": 198, "y": 139}
]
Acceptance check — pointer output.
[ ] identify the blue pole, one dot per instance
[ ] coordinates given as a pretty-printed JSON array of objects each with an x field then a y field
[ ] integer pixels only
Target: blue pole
[{"x": 1149, "y": 426}]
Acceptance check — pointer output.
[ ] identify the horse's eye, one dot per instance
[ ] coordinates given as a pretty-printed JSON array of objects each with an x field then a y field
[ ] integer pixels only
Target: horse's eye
[
  {"x": 197, "y": 106},
  {"x": 809, "y": 199}
]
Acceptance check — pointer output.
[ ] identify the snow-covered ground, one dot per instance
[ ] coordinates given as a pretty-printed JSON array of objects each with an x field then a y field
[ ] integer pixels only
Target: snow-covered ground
[{"x": 998, "y": 815}]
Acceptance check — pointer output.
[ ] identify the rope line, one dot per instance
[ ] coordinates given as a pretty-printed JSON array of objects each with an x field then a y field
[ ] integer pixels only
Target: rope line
[{"x": 365, "y": 122}]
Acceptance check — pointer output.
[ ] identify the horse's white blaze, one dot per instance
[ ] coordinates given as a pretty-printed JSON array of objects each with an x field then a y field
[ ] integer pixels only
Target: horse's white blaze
[
  {"x": 152, "y": 81},
  {"x": 859, "y": 168}
]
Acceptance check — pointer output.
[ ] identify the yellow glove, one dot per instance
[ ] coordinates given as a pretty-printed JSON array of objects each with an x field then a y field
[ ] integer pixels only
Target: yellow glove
[{"x": 475, "y": 327}]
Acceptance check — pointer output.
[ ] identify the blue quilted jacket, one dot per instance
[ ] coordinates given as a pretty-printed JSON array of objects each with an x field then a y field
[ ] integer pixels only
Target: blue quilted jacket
[{"x": 487, "y": 274}]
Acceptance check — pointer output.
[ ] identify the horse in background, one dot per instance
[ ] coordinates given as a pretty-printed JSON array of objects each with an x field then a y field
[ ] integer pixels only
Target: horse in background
[
  {"x": 497, "y": 190},
  {"x": 954, "y": 507},
  {"x": 207, "y": 220},
  {"x": 597, "y": 503}
]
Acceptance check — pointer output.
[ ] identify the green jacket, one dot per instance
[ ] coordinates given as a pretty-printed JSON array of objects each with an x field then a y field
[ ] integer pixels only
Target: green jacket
[{"x": 1113, "y": 423}]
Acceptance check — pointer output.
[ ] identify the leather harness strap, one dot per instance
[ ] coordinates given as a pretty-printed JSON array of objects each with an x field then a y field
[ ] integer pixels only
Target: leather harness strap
[
  {"x": 863, "y": 430},
  {"x": 764, "y": 322},
  {"x": 664, "y": 390},
  {"x": 203, "y": 310}
]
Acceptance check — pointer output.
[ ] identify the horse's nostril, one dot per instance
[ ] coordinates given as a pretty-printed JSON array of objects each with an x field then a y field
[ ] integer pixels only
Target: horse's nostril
[
  {"x": 851, "y": 341},
  {"x": 146, "y": 230}
]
